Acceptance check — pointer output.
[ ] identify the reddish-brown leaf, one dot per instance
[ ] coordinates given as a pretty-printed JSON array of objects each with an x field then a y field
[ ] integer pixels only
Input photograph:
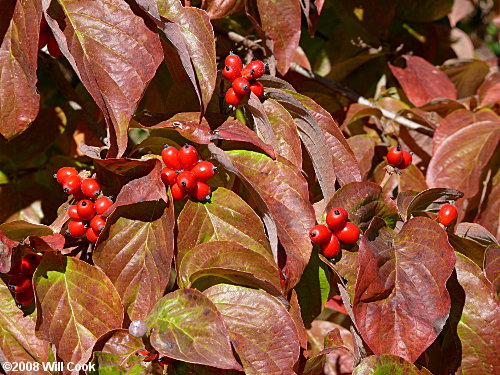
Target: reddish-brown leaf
[
  {"x": 466, "y": 75},
  {"x": 422, "y": 81},
  {"x": 53, "y": 242},
  {"x": 492, "y": 266},
  {"x": 20, "y": 229},
  {"x": 386, "y": 364},
  {"x": 363, "y": 146},
  {"x": 114, "y": 54},
  {"x": 222, "y": 8},
  {"x": 489, "y": 216},
  {"x": 261, "y": 330},
  {"x": 19, "y": 98},
  {"x": 489, "y": 92},
  {"x": 135, "y": 250},
  {"x": 431, "y": 200},
  {"x": 459, "y": 161},
  {"x": 6, "y": 246},
  {"x": 395, "y": 272}
]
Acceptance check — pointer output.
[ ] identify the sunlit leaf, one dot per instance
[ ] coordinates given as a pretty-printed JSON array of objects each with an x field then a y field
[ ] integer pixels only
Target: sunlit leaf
[
  {"x": 385, "y": 364},
  {"x": 492, "y": 266}
]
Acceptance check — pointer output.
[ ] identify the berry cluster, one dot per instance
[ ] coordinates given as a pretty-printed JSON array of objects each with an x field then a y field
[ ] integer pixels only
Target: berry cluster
[
  {"x": 337, "y": 229},
  {"x": 86, "y": 215},
  {"x": 244, "y": 79},
  {"x": 186, "y": 174},
  {"x": 398, "y": 158},
  {"x": 155, "y": 357},
  {"x": 20, "y": 280},
  {"x": 46, "y": 38},
  {"x": 447, "y": 214}
]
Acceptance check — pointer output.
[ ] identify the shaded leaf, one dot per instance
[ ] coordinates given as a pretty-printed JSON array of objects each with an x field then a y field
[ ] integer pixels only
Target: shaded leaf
[
  {"x": 76, "y": 304},
  {"x": 394, "y": 271},
  {"x": 404, "y": 200},
  {"x": 477, "y": 328},
  {"x": 347, "y": 267},
  {"x": 459, "y": 161},
  {"x": 488, "y": 215},
  {"x": 468, "y": 247},
  {"x": 422, "y": 81},
  {"x": 176, "y": 330},
  {"x": 363, "y": 201},
  {"x": 54, "y": 242},
  {"x": 385, "y": 364},
  {"x": 492, "y": 266},
  {"x": 6, "y": 246},
  {"x": 19, "y": 98},
  {"x": 261, "y": 330},
  {"x": 432, "y": 200},
  {"x": 135, "y": 250},
  {"x": 261, "y": 121},
  {"x": 466, "y": 75},
  {"x": 20, "y": 229},
  {"x": 363, "y": 146},
  {"x": 476, "y": 233}
]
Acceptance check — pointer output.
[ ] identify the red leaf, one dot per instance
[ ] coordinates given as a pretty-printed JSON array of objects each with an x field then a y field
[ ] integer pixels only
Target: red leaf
[
  {"x": 422, "y": 81},
  {"x": 54, "y": 242},
  {"x": 489, "y": 92},
  {"x": 222, "y": 8},
  {"x": 488, "y": 215},
  {"x": 492, "y": 266},
  {"x": 6, "y": 246},
  {"x": 395, "y": 272}
]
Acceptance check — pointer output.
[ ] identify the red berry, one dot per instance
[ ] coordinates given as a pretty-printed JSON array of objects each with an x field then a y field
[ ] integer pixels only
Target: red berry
[
  {"x": 407, "y": 158},
  {"x": 201, "y": 191},
  {"x": 97, "y": 223},
  {"x": 29, "y": 262},
  {"x": 53, "y": 47},
  {"x": 85, "y": 209},
  {"x": 170, "y": 156},
  {"x": 77, "y": 228},
  {"x": 331, "y": 248},
  {"x": 241, "y": 86},
  {"x": 177, "y": 193},
  {"x": 204, "y": 170},
  {"x": 188, "y": 157},
  {"x": 233, "y": 60},
  {"x": 65, "y": 172},
  {"x": 92, "y": 236},
  {"x": 151, "y": 358},
  {"x": 102, "y": 204},
  {"x": 90, "y": 187},
  {"x": 348, "y": 234},
  {"x": 257, "y": 88},
  {"x": 254, "y": 70},
  {"x": 163, "y": 361},
  {"x": 168, "y": 176},
  {"x": 43, "y": 38},
  {"x": 25, "y": 298},
  {"x": 143, "y": 353},
  {"x": 71, "y": 185},
  {"x": 336, "y": 218},
  {"x": 319, "y": 233},
  {"x": 186, "y": 180},
  {"x": 447, "y": 214},
  {"x": 231, "y": 72},
  {"x": 73, "y": 212},
  {"x": 232, "y": 98},
  {"x": 19, "y": 283},
  {"x": 394, "y": 156}
]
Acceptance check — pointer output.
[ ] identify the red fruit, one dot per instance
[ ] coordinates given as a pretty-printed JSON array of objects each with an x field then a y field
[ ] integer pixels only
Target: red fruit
[
  {"x": 25, "y": 298},
  {"x": 90, "y": 187},
  {"x": 233, "y": 60},
  {"x": 348, "y": 234},
  {"x": 336, "y": 218},
  {"x": 394, "y": 156},
  {"x": 188, "y": 157},
  {"x": 151, "y": 358},
  {"x": 102, "y": 204},
  {"x": 170, "y": 156},
  {"x": 85, "y": 209},
  {"x": 43, "y": 38},
  {"x": 331, "y": 248},
  {"x": 257, "y": 88},
  {"x": 77, "y": 228},
  {"x": 204, "y": 170},
  {"x": 407, "y": 158},
  {"x": 29, "y": 262},
  {"x": 97, "y": 223},
  {"x": 232, "y": 98},
  {"x": 231, "y": 72},
  {"x": 92, "y": 235},
  {"x": 201, "y": 191},
  {"x": 241, "y": 86},
  {"x": 19, "y": 283},
  {"x": 177, "y": 193},
  {"x": 319, "y": 233},
  {"x": 163, "y": 361},
  {"x": 254, "y": 70},
  {"x": 186, "y": 180},
  {"x": 447, "y": 214},
  {"x": 65, "y": 172},
  {"x": 168, "y": 176},
  {"x": 53, "y": 47},
  {"x": 71, "y": 185},
  {"x": 73, "y": 212},
  {"x": 143, "y": 353}
]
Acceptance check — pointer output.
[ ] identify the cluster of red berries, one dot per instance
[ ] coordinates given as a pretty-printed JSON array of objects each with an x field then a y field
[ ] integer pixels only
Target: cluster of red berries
[
  {"x": 244, "y": 79},
  {"x": 20, "y": 279},
  {"x": 86, "y": 215},
  {"x": 186, "y": 174},
  {"x": 447, "y": 214},
  {"x": 337, "y": 229},
  {"x": 398, "y": 158},
  {"x": 155, "y": 357},
  {"x": 46, "y": 38}
]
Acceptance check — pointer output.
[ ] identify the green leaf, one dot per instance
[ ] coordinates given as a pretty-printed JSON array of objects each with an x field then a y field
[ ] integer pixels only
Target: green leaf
[{"x": 385, "y": 364}]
